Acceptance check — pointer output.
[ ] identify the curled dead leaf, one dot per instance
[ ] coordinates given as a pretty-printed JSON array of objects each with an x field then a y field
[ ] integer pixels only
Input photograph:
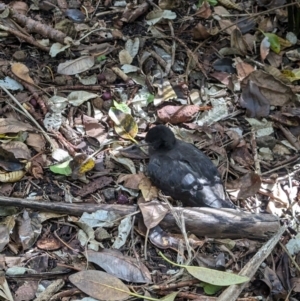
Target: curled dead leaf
[
  {"x": 11, "y": 177},
  {"x": 22, "y": 72},
  {"x": 177, "y": 114}
]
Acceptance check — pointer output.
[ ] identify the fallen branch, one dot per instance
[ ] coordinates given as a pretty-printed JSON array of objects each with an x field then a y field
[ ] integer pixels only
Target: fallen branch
[
  {"x": 217, "y": 223},
  {"x": 33, "y": 26}
]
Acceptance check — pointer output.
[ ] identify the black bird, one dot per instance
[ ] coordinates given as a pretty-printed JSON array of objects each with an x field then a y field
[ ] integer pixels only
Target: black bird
[{"x": 183, "y": 172}]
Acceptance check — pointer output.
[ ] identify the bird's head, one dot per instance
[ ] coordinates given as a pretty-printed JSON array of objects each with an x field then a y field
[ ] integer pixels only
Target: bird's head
[{"x": 160, "y": 137}]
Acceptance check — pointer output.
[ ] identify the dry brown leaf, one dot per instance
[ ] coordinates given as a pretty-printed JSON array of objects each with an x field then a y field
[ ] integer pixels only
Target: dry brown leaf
[
  {"x": 100, "y": 285},
  {"x": 256, "y": 104},
  {"x": 238, "y": 42},
  {"x": 22, "y": 72},
  {"x": 274, "y": 90},
  {"x": 48, "y": 243},
  {"x": 295, "y": 284},
  {"x": 277, "y": 74},
  {"x": 20, "y": 7},
  {"x": 264, "y": 48},
  {"x": 37, "y": 170},
  {"x": 10, "y": 125},
  {"x": 204, "y": 11},
  {"x": 227, "y": 26},
  {"x": 149, "y": 191},
  {"x": 79, "y": 65},
  {"x": 125, "y": 57},
  {"x": 4, "y": 236},
  {"x": 177, "y": 114},
  {"x": 153, "y": 213},
  {"x": 242, "y": 155},
  {"x": 246, "y": 185},
  {"x": 243, "y": 69},
  {"x": 131, "y": 181},
  {"x": 225, "y": 78},
  {"x": 26, "y": 291},
  {"x": 200, "y": 32},
  {"x": 18, "y": 148},
  {"x": 36, "y": 141},
  {"x": 124, "y": 267},
  {"x": 229, "y": 4}
]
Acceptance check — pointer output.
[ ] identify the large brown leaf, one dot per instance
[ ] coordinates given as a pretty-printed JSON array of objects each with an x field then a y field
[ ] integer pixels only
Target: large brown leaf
[
  {"x": 256, "y": 104},
  {"x": 100, "y": 285}
]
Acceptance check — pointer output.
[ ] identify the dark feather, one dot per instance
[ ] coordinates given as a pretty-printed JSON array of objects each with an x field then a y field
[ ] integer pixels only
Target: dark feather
[{"x": 182, "y": 171}]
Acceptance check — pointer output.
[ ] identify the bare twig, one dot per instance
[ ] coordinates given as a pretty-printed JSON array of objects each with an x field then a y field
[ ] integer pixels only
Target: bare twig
[{"x": 249, "y": 270}]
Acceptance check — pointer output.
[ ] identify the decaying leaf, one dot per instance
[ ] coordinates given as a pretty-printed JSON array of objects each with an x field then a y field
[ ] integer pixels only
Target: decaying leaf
[
  {"x": 229, "y": 4},
  {"x": 19, "y": 149},
  {"x": 79, "y": 97},
  {"x": 8, "y": 161},
  {"x": 149, "y": 191},
  {"x": 128, "y": 163},
  {"x": 5, "y": 292},
  {"x": 200, "y": 32},
  {"x": 204, "y": 11},
  {"x": 177, "y": 114},
  {"x": 79, "y": 65},
  {"x": 242, "y": 155},
  {"x": 80, "y": 165},
  {"x": 131, "y": 180},
  {"x": 124, "y": 267},
  {"x": 125, "y": 57},
  {"x": 125, "y": 125},
  {"x": 272, "y": 89},
  {"x": 165, "y": 92},
  {"x": 264, "y": 48},
  {"x": 10, "y": 125},
  {"x": 100, "y": 285},
  {"x": 238, "y": 42},
  {"x": 14, "y": 176},
  {"x": 156, "y": 16},
  {"x": 22, "y": 72},
  {"x": 153, "y": 213},
  {"x": 124, "y": 229},
  {"x": 246, "y": 186},
  {"x": 254, "y": 101}
]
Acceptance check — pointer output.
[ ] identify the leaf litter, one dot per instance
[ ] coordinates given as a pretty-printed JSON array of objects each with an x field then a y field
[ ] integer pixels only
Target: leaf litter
[{"x": 84, "y": 87}]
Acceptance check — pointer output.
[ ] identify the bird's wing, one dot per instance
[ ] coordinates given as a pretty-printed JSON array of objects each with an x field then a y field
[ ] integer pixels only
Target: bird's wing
[
  {"x": 198, "y": 161},
  {"x": 176, "y": 177}
]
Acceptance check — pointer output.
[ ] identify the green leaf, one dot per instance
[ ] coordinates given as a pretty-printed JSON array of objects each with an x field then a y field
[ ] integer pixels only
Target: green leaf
[
  {"x": 62, "y": 168},
  {"x": 150, "y": 98},
  {"x": 210, "y": 276},
  {"x": 211, "y": 2},
  {"x": 216, "y": 277},
  {"x": 274, "y": 41},
  {"x": 122, "y": 107},
  {"x": 210, "y": 289},
  {"x": 101, "y": 58}
]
